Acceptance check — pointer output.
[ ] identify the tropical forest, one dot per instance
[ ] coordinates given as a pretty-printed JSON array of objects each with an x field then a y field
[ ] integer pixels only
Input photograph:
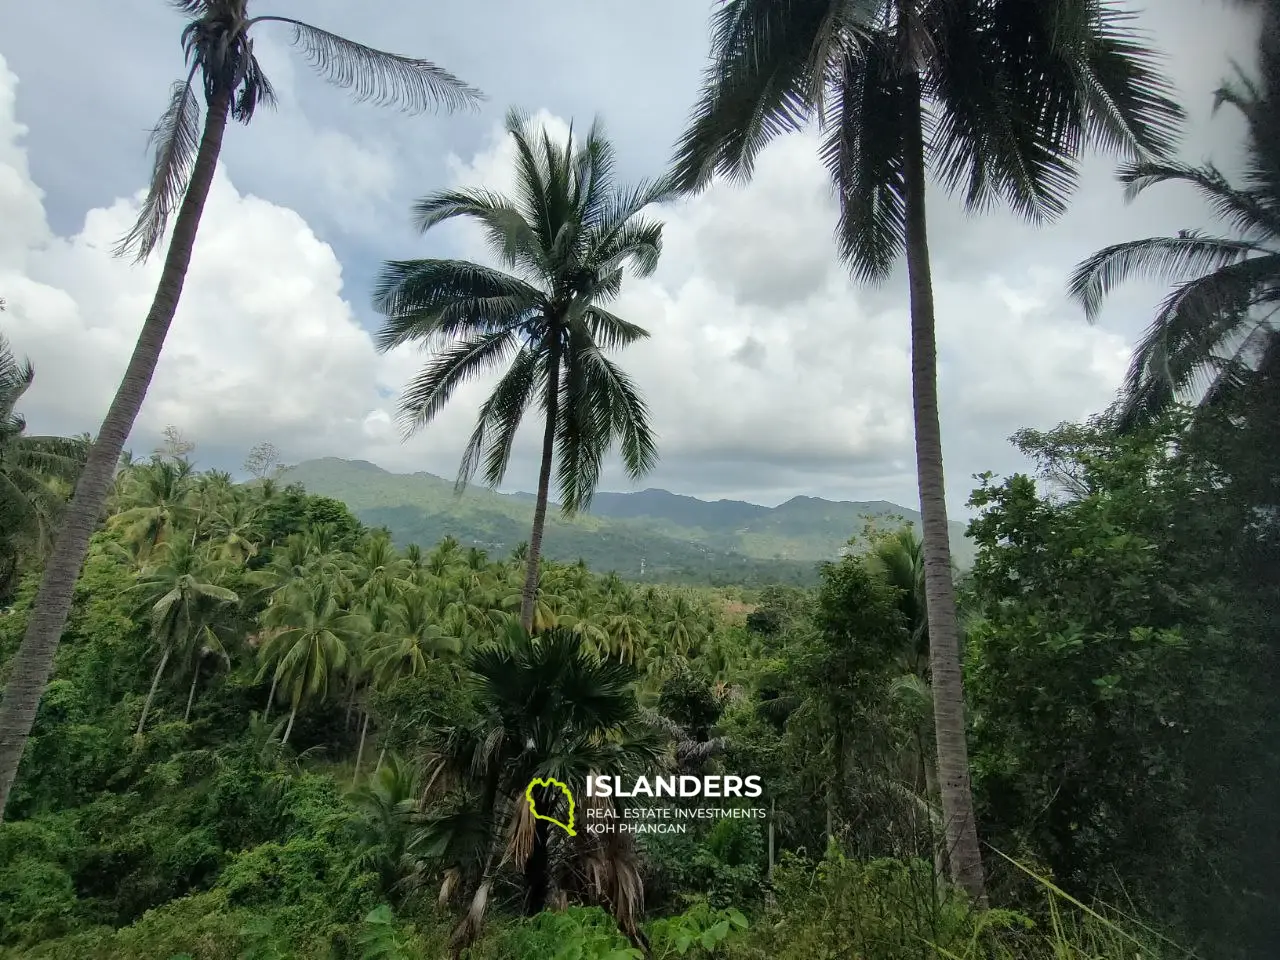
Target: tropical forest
[{"x": 268, "y": 712}]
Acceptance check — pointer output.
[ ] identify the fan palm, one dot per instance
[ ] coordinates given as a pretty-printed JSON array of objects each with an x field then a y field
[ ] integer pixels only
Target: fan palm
[
  {"x": 546, "y": 708},
  {"x": 1216, "y": 325},
  {"x": 566, "y": 236},
  {"x": 30, "y": 503},
  {"x": 996, "y": 98},
  {"x": 223, "y": 69}
]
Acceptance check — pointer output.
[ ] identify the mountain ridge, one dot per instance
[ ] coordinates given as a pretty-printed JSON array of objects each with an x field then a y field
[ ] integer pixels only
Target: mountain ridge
[{"x": 650, "y": 534}]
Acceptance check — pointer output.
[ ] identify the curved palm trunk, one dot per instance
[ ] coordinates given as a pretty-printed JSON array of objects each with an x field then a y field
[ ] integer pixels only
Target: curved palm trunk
[
  {"x": 530, "y": 594},
  {"x": 961, "y": 833},
  {"x": 271, "y": 696},
  {"x": 364, "y": 729},
  {"x": 288, "y": 728},
  {"x": 34, "y": 660},
  {"x": 191, "y": 694},
  {"x": 151, "y": 694}
]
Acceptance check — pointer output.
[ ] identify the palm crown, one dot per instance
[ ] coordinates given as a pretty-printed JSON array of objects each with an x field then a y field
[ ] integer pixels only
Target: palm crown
[
  {"x": 565, "y": 235},
  {"x": 30, "y": 504},
  {"x": 1216, "y": 324},
  {"x": 1012, "y": 91},
  {"x": 218, "y": 44}
]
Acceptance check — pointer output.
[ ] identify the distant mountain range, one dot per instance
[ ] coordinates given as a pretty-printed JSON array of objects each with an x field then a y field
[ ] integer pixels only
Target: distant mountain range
[{"x": 651, "y": 535}]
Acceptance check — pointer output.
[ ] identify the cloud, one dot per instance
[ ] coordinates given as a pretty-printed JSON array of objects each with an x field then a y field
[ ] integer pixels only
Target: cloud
[
  {"x": 263, "y": 345},
  {"x": 769, "y": 372}
]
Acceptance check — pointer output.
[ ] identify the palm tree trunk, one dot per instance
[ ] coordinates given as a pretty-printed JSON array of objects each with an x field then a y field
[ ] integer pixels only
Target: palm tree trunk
[
  {"x": 929, "y": 783},
  {"x": 271, "y": 697},
  {"x": 34, "y": 661},
  {"x": 530, "y": 594},
  {"x": 773, "y": 816},
  {"x": 944, "y": 644},
  {"x": 288, "y": 729},
  {"x": 364, "y": 728},
  {"x": 155, "y": 682},
  {"x": 191, "y": 695}
]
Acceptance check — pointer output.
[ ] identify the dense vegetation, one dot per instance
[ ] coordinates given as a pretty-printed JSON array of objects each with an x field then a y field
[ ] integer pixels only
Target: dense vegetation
[
  {"x": 307, "y": 772},
  {"x": 266, "y": 730}
]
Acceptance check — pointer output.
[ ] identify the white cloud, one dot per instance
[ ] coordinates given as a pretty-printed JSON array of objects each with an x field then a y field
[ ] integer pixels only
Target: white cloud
[
  {"x": 769, "y": 373},
  {"x": 263, "y": 345}
]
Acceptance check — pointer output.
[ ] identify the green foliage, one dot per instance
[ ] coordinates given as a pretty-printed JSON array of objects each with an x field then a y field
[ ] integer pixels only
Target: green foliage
[
  {"x": 574, "y": 934},
  {"x": 119, "y": 843},
  {"x": 1121, "y": 671}
]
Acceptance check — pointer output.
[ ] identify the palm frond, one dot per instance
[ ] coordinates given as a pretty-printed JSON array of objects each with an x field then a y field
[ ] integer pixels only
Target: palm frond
[
  {"x": 506, "y": 230},
  {"x": 1253, "y": 216},
  {"x": 1185, "y": 340},
  {"x": 767, "y": 60},
  {"x": 433, "y": 301},
  {"x": 1156, "y": 258},
  {"x": 1125, "y": 88},
  {"x": 176, "y": 139},
  {"x": 499, "y": 420},
  {"x": 1008, "y": 119},
  {"x": 863, "y": 150},
  {"x": 375, "y": 76},
  {"x": 610, "y": 332},
  {"x": 637, "y": 244}
]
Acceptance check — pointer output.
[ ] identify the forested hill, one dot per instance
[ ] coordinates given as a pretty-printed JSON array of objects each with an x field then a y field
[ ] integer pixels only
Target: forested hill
[{"x": 679, "y": 538}]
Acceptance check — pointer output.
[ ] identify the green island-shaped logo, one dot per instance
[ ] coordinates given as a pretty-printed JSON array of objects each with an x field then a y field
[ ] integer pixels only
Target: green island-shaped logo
[{"x": 549, "y": 782}]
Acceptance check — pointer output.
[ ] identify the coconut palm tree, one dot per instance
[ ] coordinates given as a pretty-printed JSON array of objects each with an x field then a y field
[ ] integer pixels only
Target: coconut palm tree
[
  {"x": 1218, "y": 323},
  {"x": 183, "y": 599},
  {"x": 995, "y": 98},
  {"x": 310, "y": 645},
  {"x": 223, "y": 70},
  {"x": 31, "y": 468},
  {"x": 153, "y": 499},
  {"x": 565, "y": 237}
]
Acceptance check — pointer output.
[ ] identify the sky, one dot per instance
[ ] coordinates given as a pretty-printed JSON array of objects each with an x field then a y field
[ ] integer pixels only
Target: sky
[{"x": 769, "y": 372}]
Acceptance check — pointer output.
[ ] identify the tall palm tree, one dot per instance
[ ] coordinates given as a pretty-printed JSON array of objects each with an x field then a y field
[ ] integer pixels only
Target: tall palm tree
[
  {"x": 1218, "y": 323},
  {"x": 30, "y": 468},
  {"x": 995, "y": 98},
  {"x": 221, "y": 67},
  {"x": 565, "y": 236}
]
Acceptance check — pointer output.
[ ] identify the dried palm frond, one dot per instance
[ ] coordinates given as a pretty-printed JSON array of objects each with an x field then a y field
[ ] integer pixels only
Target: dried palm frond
[
  {"x": 466, "y": 932},
  {"x": 449, "y": 885},
  {"x": 521, "y": 835}
]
